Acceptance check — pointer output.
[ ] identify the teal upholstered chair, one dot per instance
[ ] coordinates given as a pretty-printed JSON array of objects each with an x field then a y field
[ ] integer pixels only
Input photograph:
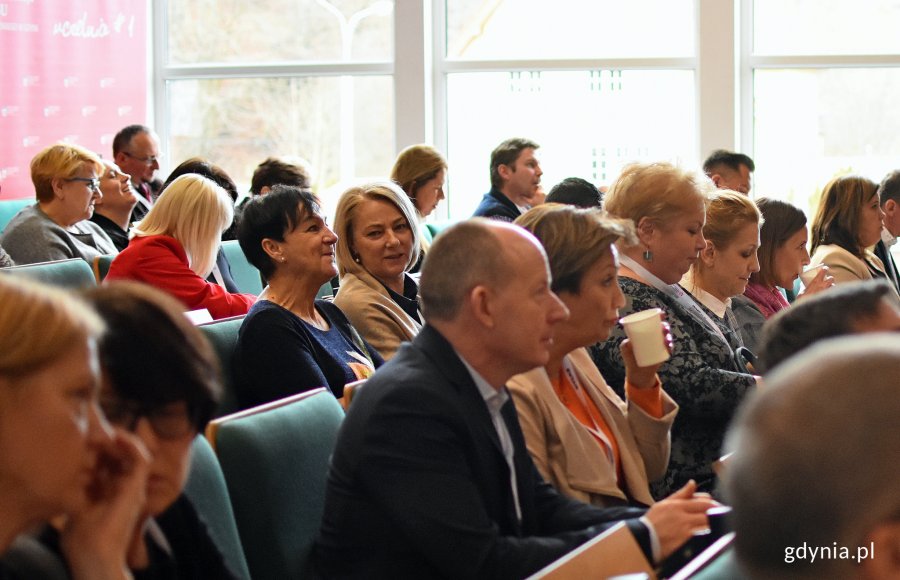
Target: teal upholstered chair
[
  {"x": 73, "y": 273},
  {"x": 246, "y": 276},
  {"x": 223, "y": 335},
  {"x": 10, "y": 207},
  {"x": 207, "y": 491},
  {"x": 275, "y": 460}
]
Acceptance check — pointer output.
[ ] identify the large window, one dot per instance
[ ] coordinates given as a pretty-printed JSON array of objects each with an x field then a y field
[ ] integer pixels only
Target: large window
[
  {"x": 311, "y": 78},
  {"x": 596, "y": 84},
  {"x": 822, "y": 78}
]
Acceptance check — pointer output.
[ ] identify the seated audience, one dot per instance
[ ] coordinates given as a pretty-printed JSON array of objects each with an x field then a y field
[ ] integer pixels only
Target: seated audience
[
  {"x": 161, "y": 382},
  {"x": 430, "y": 476},
  {"x": 852, "y": 308},
  {"x": 705, "y": 378},
  {"x": 378, "y": 242},
  {"x": 421, "y": 170},
  {"x": 813, "y": 478},
  {"x": 112, "y": 210},
  {"x": 848, "y": 223},
  {"x": 728, "y": 261},
  {"x": 575, "y": 191},
  {"x": 274, "y": 171},
  {"x": 221, "y": 271},
  {"x": 583, "y": 438},
  {"x": 782, "y": 255},
  {"x": 290, "y": 342},
  {"x": 515, "y": 180},
  {"x": 174, "y": 247},
  {"x": 730, "y": 170},
  {"x": 58, "y": 457},
  {"x": 67, "y": 183}
]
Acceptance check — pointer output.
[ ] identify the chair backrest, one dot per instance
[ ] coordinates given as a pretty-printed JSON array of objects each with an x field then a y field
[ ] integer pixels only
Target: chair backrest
[
  {"x": 275, "y": 462},
  {"x": 10, "y": 207},
  {"x": 208, "y": 493},
  {"x": 223, "y": 335},
  {"x": 101, "y": 266},
  {"x": 73, "y": 273},
  {"x": 246, "y": 276}
]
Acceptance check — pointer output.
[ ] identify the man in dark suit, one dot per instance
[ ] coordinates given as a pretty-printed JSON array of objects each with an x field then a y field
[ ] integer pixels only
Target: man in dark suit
[
  {"x": 889, "y": 197},
  {"x": 430, "y": 476},
  {"x": 136, "y": 152},
  {"x": 515, "y": 181}
]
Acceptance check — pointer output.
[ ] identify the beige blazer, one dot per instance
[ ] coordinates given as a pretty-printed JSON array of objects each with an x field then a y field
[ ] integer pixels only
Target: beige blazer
[
  {"x": 568, "y": 456},
  {"x": 844, "y": 266},
  {"x": 374, "y": 314}
]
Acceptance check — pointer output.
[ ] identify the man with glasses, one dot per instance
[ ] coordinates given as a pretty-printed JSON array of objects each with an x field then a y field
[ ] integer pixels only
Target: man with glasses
[{"x": 136, "y": 152}]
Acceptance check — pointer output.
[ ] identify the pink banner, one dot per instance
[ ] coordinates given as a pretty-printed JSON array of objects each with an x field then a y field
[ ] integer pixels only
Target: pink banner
[{"x": 70, "y": 70}]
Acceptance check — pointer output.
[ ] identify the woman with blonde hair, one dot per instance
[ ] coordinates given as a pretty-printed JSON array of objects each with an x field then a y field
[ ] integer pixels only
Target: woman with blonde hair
[
  {"x": 703, "y": 375},
  {"x": 67, "y": 184},
  {"x": 57, "y": 455},
  {"x": 728, "y": 261},
  {"x": 174, "y": 247},
  {"x": 378, "y": 244},
  {"x": 848, "y": 223},
  {"x": 420, "y": 170}
]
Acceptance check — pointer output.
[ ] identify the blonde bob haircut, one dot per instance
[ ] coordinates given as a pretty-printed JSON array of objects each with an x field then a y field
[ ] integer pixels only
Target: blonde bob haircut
[
  {"x": 837, "y": 217},
  {"x": 60, "y": 161},
  {"x": 416, "y": 165},
  {"x": 574, "y": 239},
  {"x": 40, "y": 324},
  {"x": 346, "y": 216},
  {"x": 659, "y": 192},
  {"x": 726, "y": 214},
  {"x": 195, "y": 211}
]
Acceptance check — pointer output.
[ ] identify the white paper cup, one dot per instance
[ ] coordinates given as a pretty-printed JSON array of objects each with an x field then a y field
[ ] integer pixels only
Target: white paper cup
[
  {"x": 644, "y": 330},
  {"x": 807, "y": 275}
]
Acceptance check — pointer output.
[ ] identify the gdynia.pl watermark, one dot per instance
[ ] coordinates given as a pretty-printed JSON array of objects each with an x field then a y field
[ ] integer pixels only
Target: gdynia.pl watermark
[{"x": 834, "y": 552}]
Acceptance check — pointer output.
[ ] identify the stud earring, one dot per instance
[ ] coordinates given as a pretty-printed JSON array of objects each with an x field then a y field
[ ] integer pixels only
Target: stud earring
[
  {"x": 283, "y": 259},
  {"x": 648, "y": 255}
]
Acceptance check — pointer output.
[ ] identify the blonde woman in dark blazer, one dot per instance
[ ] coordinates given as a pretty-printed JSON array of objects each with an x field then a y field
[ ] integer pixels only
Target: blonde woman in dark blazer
[
  {"x": 583, "y": 438},
  {"x": 378, "y": 243}
]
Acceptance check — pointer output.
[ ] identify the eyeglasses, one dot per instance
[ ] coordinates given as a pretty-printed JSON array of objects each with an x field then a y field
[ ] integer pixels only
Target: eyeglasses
[
  {"x": 165, "y": 422},
  {"x": 93, "y": 182},
  {"x": 148, "y": 161}
]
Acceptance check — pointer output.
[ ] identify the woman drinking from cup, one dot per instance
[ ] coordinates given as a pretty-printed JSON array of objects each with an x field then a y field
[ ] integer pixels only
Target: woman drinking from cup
[
  {"x": 668, "y": 208},
  {"x": 782, "y": 256}
]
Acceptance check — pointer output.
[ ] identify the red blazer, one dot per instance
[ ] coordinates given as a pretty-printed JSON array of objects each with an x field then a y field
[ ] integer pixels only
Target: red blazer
[{"x": 162, "y": 262}]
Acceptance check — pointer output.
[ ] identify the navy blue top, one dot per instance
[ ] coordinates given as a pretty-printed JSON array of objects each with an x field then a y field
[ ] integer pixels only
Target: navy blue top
[
  {"x": 497, "y": 206},
  {"x": 278, "y": 354}
]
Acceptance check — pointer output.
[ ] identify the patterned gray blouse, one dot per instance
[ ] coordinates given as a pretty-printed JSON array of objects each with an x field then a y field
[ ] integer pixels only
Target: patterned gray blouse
[{"x": 702, "y": 376}]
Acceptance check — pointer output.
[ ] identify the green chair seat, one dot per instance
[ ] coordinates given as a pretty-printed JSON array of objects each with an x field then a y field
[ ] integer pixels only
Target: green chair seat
[
  {"x": 222, "y": 335},
  {"x": 73, "y": 273},
  {"x": 10, "y": 207},
  {"x": 275, "y": 460},
  {"x": 246, "y": 276},
  {"x": 208, "y": 493}
]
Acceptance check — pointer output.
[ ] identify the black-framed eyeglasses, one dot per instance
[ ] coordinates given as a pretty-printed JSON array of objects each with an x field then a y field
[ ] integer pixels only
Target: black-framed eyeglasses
[
  {"x": 165, "y": 422},
  {"x": 148, "y": 161},
  {"x": 93, "y": 182}
]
